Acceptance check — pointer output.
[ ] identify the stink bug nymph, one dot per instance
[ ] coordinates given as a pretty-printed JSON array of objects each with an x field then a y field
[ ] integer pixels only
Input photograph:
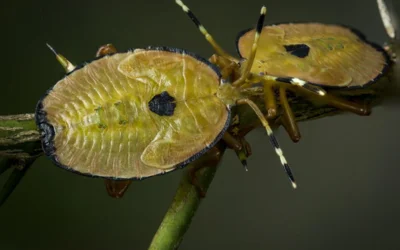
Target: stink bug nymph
[
  {"x": 141, "y": 113},
  {"x": 318, "y": 61}
]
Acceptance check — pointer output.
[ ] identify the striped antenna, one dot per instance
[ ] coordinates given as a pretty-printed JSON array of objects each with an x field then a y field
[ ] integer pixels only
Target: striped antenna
[
  {"x": 272, "y": 138},
  {"x": 387, "y": 19},
  {"x": 218, "y": 49},
  {"x": 243, "y": 158},
  {"x": 298, "y": 82},
  {"x": 67, "y": 65},
  {"x": 308, "y": 86},
  {"x": 246, "y": 72}
]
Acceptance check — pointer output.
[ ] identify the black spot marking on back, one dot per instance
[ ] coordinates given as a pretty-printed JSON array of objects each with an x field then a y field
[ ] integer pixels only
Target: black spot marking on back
[
  {"x": 299, "y": 50},
  {"x": 162, "y": 104}
]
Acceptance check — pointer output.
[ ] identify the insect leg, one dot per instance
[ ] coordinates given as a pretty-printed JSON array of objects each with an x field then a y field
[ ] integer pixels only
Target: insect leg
[
  {"x": 240, "y": 146},
  {"x": 244, "y": 153},
  {"x": 67, "y": 65},
  {"x": 209, "y": 38},
  {"x": 269, "y": 99},
  {"x": 318, "y": 94},
  {"x": 226, "y": 66},
  {"x": 288, "y": 119},
  {"x": 343, "y": 104},
  {"x": 249, "y": 63},
  {"x": 298, "y": 82},
  {"x": 337, "y": 102},
  {"x": 231, "y": 141},
  {"x": 272, "y": 138},
  {"x": 107, "y": 49},
  {"x": 116, "y": 188}
]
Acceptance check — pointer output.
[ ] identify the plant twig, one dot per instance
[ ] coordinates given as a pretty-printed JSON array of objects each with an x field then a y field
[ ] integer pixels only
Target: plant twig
[
  {"x": 19, "y": 148},
  {"x": 19, "y": 137},
  {"x": 185, "y": 203},
  {"x": 13, "y": 180}
]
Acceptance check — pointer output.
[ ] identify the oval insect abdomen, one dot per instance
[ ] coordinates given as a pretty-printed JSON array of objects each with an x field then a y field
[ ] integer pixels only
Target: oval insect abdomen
[
  {"x": 328, "y": 55},
  {"x": 104, "y": 125}
]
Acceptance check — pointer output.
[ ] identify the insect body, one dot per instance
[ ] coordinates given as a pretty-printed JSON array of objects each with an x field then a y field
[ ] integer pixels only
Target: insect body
[
  {"x": 325, "y": 55},
  {"x": 141, "y": 113},
  {"x": 308, "y": 59},
  {"x": 133, "y": 109}
]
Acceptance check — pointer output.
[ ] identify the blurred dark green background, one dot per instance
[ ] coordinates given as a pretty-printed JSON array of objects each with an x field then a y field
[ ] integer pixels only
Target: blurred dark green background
[{"x": 347, "y": 166}]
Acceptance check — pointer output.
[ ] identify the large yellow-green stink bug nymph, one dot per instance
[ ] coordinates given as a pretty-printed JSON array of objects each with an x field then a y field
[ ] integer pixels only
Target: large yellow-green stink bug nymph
[{"x": 133, "y": 115}]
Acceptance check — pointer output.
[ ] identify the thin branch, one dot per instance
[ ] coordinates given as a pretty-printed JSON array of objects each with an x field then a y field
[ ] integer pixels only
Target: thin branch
[
  {"x": 13, "y": 180},
  {"x": 185, "y": 203},
  {"x": 19, "y": 137}
]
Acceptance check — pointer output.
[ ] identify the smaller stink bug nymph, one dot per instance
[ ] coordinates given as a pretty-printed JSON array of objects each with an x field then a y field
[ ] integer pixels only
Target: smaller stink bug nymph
[
  {"x": 313, "y": 60},
  {"x": 141, "y": 113}
]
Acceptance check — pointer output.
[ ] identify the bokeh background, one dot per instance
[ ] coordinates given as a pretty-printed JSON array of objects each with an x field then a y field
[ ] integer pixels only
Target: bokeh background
[{"x": 347, "y": 166}]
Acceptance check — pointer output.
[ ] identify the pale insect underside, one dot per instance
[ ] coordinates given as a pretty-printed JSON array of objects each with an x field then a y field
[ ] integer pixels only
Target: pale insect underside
[{"x": 119, "y": 136}]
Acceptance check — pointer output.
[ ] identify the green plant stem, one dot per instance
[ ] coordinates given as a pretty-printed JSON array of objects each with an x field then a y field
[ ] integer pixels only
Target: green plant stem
[
  {"x": 16, "y": 175},
  {"x": 184, "y": 205},
  {"x": 19, "y": 137},
  {"x": 19, "y": 148}
]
